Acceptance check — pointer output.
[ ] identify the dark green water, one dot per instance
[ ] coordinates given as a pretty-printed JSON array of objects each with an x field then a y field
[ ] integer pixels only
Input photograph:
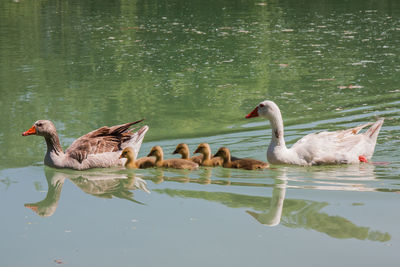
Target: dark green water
[{"x": 194, "y": 69}]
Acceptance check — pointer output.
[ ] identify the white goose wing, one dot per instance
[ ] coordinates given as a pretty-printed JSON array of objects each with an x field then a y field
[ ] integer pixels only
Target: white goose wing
[{"x": 342, "y": 146}]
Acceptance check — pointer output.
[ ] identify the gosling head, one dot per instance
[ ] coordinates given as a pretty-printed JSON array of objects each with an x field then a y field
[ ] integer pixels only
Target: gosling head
[
  {"x": 156, "y": 151},
  {"x": 203, "y": 148},
  {"x": 127, "y": 153},
  {"x": 181, "y": 149},
  {"x": 224, "y": 153}
]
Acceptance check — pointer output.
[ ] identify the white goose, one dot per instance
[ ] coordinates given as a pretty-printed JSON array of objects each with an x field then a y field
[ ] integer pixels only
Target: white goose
[
  {"x": 100, "y": 148},
  {"x": 338, "y": 147}
]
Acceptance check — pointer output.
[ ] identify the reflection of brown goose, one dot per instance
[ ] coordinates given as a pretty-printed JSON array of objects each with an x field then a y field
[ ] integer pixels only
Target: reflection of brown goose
[
  {"x": 131, "y": 163},
  {"x": 108, "y": 187},
  {"x": 98, "y": 149},
  {"x": 205, "y": 150},
  {"x": 183, "y": 149},
  {"x": 101, "y": 185},
  {"x": 157, "y": 152},
  {"x": 48, "y": 206},
  {"x": 247, "y": 164}
]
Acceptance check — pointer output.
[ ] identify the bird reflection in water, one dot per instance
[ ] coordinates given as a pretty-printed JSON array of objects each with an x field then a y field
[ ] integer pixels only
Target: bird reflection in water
[
  {"x": 103, "y": 185},
  {"x": 273, "y": 216},
  {"x": 298, "y": 213}
]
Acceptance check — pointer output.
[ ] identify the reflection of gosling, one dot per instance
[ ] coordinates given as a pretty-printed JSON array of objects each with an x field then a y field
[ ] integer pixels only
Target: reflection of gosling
[
  {"x": 183, "y": 149},
  {"x": 157, "y": 152},
  {"x": 247, "y": 164},
  {"x": 131, "y": 163},
  {"x": 205, "y": 150}
]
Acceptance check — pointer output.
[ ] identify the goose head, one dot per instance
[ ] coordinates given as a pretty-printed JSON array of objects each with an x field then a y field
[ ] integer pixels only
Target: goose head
[
  {"x": 266, "y": 109},
  {"x": 42, "y": 128},
  {"x": 127, "y": 153}
]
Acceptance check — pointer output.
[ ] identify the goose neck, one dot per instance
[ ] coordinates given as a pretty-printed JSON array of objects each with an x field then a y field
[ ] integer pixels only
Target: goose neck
[
  {"x": 53, "y": 144},
  {"x": 277, "y": 129}
]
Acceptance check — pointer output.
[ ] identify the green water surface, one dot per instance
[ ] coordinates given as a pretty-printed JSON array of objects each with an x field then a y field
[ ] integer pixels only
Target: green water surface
[{"x": 194, "y": 69}]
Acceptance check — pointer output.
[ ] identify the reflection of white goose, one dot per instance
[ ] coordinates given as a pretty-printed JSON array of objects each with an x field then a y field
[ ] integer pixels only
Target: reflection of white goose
[
  {"x": 350, "y": 177},
  {"x": 356, "y": 177},
  {"x": 339, "y": 147},
  {"x": 273, "y": 217}
]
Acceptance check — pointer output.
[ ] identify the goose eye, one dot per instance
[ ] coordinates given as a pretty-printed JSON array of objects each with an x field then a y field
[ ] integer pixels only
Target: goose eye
[
  {"x": 39, "y": 124},
  {"x": 261, "y": 105}
]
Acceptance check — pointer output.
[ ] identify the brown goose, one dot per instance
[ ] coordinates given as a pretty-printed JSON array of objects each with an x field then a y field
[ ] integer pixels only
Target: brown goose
[
  {"x": 207, "y": 161},
  {"x": 183, "y": 149},
  {"x": 132, "y": 163},
  {"x": 247, "y": 164},
  {"x": 157, "y": 152},
  {"x": 98, "y": 149}
]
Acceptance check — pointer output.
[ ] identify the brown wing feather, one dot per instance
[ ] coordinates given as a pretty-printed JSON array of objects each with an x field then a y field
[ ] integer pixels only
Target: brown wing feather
[{"x": 104, "y": 139}]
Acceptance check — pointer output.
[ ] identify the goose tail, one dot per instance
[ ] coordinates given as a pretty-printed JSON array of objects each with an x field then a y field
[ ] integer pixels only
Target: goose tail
[
  {"x": 136, "y": 140},
  {"x": 373, "y": 131}
]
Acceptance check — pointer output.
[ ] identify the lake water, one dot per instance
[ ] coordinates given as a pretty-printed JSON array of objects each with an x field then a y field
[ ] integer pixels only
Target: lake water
[{"x": 194, "y": 69}]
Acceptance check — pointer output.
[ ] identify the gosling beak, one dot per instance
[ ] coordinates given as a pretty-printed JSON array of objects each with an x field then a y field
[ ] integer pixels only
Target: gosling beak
[
  {"x": 120, "y": 157},
  {"x": 252, "y": 114},
  {"x": 175, "y": 151},
  {"x": 32, "y": 130},
  {"x": 196, "y": 151}
]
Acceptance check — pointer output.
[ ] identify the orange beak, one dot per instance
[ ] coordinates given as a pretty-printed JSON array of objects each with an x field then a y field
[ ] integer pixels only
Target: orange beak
[
  {"x": 252, "y": 114},
  {"x": 32, "y": 130},
  {"x": 30, "y": 206}
]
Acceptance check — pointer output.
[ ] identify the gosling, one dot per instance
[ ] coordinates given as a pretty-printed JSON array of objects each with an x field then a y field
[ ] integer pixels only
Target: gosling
[
  {"x": 247, "y": 164},
  {"x": 157, "y": 152},
  {"x": 207, "y": 161},
  {"x": 132, "y": 163},
  {"x": 183, "y": 149}
]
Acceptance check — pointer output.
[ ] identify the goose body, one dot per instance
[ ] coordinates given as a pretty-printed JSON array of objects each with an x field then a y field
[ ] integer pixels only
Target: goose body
[
  {"x": 132, "y": 163},
  {"x": 207, "y": 160},
  {"x": 100, "y": 148},
  {"x": 158, "y": 153},
  {"x": 183, "y": 149},
  {"x": 337, "y": 147},
  {"x": 244, "y": 163}
]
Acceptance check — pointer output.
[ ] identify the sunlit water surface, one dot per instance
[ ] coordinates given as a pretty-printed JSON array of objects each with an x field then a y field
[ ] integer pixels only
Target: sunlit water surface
[{"x": 194, "y": 69}]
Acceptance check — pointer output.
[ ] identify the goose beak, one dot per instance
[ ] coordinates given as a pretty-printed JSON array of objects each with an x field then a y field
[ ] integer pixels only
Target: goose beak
[
  {"x": 252, "y": 114},
  {"x": 32, "y": 130},
  {"x": 32, "y": 207}
]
